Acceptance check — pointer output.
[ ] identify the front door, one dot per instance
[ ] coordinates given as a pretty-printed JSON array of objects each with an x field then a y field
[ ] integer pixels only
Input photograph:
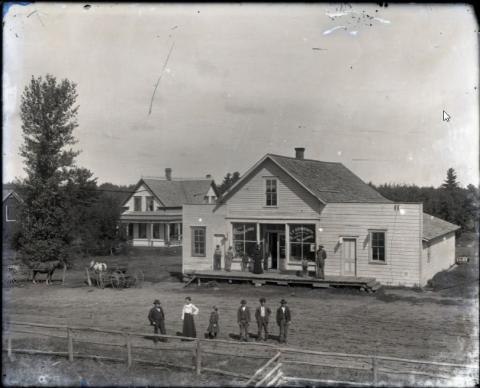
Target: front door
[
  {"x": 274, "y": 249},
  {"x": 349, "y": 257}
]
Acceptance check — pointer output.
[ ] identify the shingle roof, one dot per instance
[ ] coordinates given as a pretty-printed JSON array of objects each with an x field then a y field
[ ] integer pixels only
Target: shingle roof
[
  {"x": 329, "y": 181},
  {"x": 434, "y": 227},
  {"x": 175, "y": 193}
]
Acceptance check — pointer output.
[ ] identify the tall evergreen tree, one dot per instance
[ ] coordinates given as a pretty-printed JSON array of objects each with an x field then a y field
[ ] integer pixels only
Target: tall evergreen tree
[
  {"x": 49, "y": 117},
  {"x": 451, "y": 181}
]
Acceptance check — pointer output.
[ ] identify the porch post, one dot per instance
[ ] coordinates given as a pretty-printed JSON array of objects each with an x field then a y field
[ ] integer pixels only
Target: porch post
[
  {"x": 258, "y": 233},
  {"x": 287, "y": 242},
  {"x": 167, "y": 237},
  {"x": 151, "y": 234}
]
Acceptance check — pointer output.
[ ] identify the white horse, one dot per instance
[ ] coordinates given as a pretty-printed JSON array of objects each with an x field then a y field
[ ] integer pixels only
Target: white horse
[{"x": 100, "y": 269}]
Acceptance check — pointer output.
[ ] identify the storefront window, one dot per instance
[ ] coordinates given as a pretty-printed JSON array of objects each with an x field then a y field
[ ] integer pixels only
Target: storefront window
[
  {"x": 244, "y": 239},
  {"x": 302, "y": 242}
]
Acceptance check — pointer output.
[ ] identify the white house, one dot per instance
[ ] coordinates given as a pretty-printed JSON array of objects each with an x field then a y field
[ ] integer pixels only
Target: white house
[
  {"x": 292, "y": 204},
  {"x": 153, "y": 213}
]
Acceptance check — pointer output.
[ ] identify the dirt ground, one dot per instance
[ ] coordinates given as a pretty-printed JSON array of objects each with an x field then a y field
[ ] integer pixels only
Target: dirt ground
[{"x": 415, "y": 324}]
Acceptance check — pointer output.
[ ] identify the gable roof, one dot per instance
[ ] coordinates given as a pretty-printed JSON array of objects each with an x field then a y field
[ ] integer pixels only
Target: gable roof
[
  {"x": 434, "y": 227},
  {"x": 327, "y": 181},
  {"x": 8, "y": 192},
  {"x": 176, "y": 193}
]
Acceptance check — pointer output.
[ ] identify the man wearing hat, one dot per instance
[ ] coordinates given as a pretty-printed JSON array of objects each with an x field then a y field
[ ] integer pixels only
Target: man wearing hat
[
  {"x": 243, "y": 319},
  {"x": 156, "y": 316},
  {"x": 283, "y": 319},
  {"x": 262, "y": 315},
  {"x": 320, "y": 257}
]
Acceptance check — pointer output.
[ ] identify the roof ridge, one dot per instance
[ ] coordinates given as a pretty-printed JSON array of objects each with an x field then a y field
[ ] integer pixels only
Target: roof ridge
[{"x": 309, "y": 160}]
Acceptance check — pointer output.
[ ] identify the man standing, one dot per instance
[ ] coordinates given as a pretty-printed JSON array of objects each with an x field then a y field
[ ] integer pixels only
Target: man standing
[
  {"x": 283, "y": 319},
  {"x": 257, "y": 260},
  {"x": 217, "y": 259},
  {"x": 243, "y": 318},
  {"x": 228, "y": 259},
  {"x": 156, "y": 316},
  {"x": 320, "y": 257},
  {"x": 262, "y": 315}
]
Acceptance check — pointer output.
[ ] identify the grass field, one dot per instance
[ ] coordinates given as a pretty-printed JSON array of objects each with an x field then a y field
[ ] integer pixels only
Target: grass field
[{"x": 415, "y": 324}]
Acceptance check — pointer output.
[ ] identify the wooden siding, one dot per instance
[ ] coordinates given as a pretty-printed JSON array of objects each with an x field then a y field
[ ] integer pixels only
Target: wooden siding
[
  {"x": 292, "y": 199},
  {"x": 203, "y": 216},
  {"x": 403, "y": 244},
  {"x": 442, "y": 256}
]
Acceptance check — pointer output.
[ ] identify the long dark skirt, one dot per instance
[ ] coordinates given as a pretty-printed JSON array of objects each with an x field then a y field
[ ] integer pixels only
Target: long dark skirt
[{"x": 189, "y": 326}]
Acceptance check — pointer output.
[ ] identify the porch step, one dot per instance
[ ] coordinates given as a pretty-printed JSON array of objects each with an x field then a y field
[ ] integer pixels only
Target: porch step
[{"x": 321, "y": 285}]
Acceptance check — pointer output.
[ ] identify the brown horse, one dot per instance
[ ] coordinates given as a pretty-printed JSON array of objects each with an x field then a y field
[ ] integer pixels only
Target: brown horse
[{"x": 47, "y": 267}]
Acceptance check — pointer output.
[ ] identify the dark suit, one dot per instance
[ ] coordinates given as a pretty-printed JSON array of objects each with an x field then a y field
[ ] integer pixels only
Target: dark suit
[
  {"x": 157, "y": 320},
  {"x": 283, "y": 319},
  {"x": 262, "y": 322},
  {"x": 243, "y": 319}
]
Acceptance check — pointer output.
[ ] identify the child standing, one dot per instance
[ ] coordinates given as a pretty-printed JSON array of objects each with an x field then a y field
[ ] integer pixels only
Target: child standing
[{"x": 213, "y": 328}]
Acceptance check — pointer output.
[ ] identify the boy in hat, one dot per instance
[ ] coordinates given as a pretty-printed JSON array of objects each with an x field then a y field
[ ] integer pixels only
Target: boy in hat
[
  {"x": 283, "y": 319},
  {"x": 262, "y": 315},
  {"x": 243, "y": 319},
  {"x": 156, "y": 316}
]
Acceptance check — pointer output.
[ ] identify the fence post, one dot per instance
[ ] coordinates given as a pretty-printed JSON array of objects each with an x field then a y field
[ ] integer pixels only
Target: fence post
[
  {"x": 9, "y": 347},
  {"x": 199, "y": 358},
  {"x": 70, "y": 344},
  {"x": 374, "y": 372},
  {"x": 129, "y": 350}
]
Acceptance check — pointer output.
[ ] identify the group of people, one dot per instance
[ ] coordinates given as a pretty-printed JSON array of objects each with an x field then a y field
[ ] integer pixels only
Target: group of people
[
  {"x": 258, "y": 261},
  {"x": 156, "y": 316}
]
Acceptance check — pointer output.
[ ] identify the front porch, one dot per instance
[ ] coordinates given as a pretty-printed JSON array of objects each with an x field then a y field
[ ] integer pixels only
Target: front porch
[
  {"x": 284, "y": 278},
  {"x": 154, "y": 234}
]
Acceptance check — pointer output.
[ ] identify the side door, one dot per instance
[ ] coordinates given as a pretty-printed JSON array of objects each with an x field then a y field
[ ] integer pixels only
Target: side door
[{"x": 349, "y": 257}]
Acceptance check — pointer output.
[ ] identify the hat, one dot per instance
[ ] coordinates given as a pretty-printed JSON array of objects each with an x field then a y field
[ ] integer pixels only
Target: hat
[
  {"x": 283, "y": 301},
  {"x": 156, "y": 301},
  {"x": 262, "y": 300},
  {"x": 243, "y": 301},
  {"x": 320, "y": 246}
]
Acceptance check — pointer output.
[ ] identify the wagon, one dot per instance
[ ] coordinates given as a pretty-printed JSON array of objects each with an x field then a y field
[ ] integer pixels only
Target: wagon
[{"x": 116, "y": 277}]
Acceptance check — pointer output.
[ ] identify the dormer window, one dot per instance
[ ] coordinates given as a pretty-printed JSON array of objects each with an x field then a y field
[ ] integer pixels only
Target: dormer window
[
  {"x": 150, "y": 204},
  {"x": 137, "y": 204},
  {"x": 271, "y": 192}
]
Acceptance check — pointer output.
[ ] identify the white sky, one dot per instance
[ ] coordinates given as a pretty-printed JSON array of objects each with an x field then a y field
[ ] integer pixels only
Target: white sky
[{"x": 245, "y": 80}]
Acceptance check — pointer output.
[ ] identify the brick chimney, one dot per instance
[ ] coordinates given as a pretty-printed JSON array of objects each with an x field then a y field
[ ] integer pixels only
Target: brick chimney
[
  {"x": 299, "y": 152},
  {"x": 168, "y": 174}
]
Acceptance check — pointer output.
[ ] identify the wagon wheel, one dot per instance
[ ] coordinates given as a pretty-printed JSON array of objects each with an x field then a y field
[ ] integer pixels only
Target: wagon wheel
[
  {"x": 137, "y": 278},
  {"x": 117, "y": 279}
]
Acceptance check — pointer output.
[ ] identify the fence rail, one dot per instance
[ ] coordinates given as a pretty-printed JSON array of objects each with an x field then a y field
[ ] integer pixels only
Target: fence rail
[{"x": 271, "y": 373}]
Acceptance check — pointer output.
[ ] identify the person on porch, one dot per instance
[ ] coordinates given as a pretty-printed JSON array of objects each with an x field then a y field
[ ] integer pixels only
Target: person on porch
[
  {"x": 217, "y": 259},
  {"x": 320, "y": 257},
  {"x": 228, "y": 259},
  {"x": 257, "y": 260}
]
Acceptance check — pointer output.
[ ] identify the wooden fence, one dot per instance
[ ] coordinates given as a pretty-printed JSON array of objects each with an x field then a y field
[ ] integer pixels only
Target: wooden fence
[{"x": 284, "y": 365}]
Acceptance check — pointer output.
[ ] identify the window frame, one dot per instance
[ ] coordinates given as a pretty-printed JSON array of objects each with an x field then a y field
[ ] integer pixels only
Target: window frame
[
  {"x": 193, "y": 229},
  {"x": 269, "y": 193},
  {"x": 301, "y": 244},
  {"x": 244, "y": 240},
  {"x": 135, "y": 198},
  {"x": 147, "y": 199},
  {"x": 6, "y": 215},
  {"x": 371, "y": 260}
]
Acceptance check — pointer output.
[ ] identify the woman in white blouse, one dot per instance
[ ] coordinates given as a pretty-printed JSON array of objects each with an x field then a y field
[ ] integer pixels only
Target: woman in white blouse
[{"x": 189, "y": 310}]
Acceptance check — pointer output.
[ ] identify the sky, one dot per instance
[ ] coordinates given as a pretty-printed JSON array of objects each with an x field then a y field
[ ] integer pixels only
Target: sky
[{"x": 359, "y": 84}]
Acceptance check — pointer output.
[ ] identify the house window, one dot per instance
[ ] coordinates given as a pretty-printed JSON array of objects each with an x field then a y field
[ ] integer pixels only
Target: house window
[
  {"x": 377, "y": 246},
  {"x": 156, "y": 231},
  {"x": 150, "y": 204},
  {"x": 271, "y": 192},
  {"x": 198, "y": 241},
  {"x": 244, "y": 239},
  {"x": 302, "y": 242},
  {"x": 142, "y": 230},
  {"x": 10, "y": 213},
  {"x": 137, "y": 204}
]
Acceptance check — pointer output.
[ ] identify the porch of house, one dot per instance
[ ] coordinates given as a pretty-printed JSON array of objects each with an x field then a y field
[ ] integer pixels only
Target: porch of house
[
  {"x": 153, "y": 234},
  {"x": 283, "y": 278}
]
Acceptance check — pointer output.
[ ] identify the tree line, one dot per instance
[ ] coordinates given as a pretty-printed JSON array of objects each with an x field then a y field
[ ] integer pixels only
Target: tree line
[{"x": 65, "y": 210}]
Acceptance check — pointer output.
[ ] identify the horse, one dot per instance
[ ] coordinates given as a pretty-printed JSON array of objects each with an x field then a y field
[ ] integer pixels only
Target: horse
[
  {"x": 47, "y": 267},
  {"x": 99, "y": 269}
]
